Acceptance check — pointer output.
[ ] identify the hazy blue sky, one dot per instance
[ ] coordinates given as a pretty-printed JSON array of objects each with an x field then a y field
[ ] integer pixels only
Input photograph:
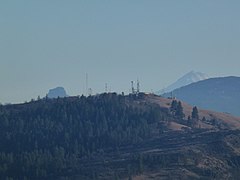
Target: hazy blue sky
[{"x": 49, "y": 43}]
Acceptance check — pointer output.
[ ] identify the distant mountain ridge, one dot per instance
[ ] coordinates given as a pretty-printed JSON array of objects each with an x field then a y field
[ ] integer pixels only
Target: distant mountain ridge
[
  {"x": 220, "y": 94},
  {"x": 187, "y": 79}
]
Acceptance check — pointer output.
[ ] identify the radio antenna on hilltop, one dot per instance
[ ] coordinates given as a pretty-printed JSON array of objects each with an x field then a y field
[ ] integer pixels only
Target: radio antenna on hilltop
[
  {"x": 133, "y": 91},
  {"x": 86, "y": 84},
  {"x": 106, "y": 88},
  {"x": 138, "y": 87},
  {"x": 90, "y": 91},
  {"x": 137, "y": 91}
]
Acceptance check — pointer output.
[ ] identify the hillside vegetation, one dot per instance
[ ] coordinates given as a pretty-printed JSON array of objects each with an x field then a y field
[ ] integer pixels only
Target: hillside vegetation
[{"x": 112, "y": 136}]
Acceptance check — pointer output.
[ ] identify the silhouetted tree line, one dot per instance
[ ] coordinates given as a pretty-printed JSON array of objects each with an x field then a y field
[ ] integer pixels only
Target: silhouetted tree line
[{"x": 45, "y": 139}]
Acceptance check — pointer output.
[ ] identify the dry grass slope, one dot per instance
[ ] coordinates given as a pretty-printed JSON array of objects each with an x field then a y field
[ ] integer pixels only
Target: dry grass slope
[{"x": 231, "y": 121}]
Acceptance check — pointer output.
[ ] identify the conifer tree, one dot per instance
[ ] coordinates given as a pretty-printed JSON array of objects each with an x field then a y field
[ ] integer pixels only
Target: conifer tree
[
  {"x": 179, "y": 112},
  {"x": 195, "y": 113}
]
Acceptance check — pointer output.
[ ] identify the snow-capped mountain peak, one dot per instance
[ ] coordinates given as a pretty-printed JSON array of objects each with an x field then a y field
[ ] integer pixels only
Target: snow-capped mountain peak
[{"x": 187, "y": 79}]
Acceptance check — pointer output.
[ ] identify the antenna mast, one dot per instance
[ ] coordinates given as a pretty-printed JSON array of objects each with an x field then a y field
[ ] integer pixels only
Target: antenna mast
[
  {"x": 106, "y": 88},
  {"x": 90, "y": 91},
  {"x": 86, "y": 84},
  {"x": 132, "y": 87},
  {"x": 138, "y": 87}
]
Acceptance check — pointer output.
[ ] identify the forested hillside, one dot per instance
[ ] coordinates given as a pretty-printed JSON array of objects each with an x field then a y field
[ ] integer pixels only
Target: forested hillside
[
  {"x": 46, "y": 138},
  {"x": 110, "y": 136}
]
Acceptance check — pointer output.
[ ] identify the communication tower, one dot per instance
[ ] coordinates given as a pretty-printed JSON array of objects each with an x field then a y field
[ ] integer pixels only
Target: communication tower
[
  {"x": 138, "y": 87},
  {"x": 106, "y": 87},
  {"x": 132, "y": 83},
  {"x": 87, "y": 89}
]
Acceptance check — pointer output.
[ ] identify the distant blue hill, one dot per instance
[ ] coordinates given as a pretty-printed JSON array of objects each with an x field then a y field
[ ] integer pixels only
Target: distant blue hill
[
  {"x": 219, "y": 94},
  {"x": 57, "y": 92}
]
